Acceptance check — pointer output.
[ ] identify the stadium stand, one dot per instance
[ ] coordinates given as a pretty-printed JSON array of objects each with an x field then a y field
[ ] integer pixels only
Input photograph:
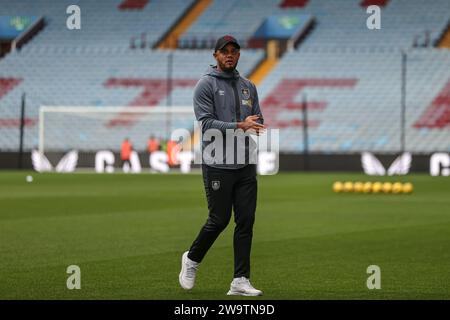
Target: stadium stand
[
  {"x": 239, "y": 18},
  {"x": 350, "y": 74},
  {"x": 354, "y": 102},
  {"x": 105, "y": 24},
  {"x": 403, "y": 23},
  {"x": 340, "y": 23},
  {"x": 85, "y": 78},
  {"x": 170, "y": 40},
  {"x": 64, "y": 67},
  {"x": 347, "y": 67}
]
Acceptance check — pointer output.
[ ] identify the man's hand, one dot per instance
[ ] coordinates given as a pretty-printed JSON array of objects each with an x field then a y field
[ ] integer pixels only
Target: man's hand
[{"x": 250, "y": 124}]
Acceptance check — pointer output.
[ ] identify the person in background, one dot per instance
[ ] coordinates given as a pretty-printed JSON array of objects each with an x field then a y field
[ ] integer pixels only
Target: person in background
[
  {"x": 172, "y": 152},
  {"x": 153, "y": 144},
  {"x": 125, "y": 152}
]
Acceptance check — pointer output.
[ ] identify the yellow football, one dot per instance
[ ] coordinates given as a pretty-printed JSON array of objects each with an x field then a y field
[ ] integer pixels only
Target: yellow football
[
  {"x": 387, "y": 187},
  {"x": 338, "y": 186},
  {"x": 348, "y": 186},
  {"x": 397, "y": 187},
  {"x": 408, "y": 187},
  {"x": 358, "y": 186},
  {"x": 376, "y": 187},
  {"x": 367, "y": 188}
]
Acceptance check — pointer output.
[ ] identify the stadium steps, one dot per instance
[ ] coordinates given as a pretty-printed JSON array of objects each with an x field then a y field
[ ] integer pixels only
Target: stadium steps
[
  {"x": 263, "y": 70},
  {"x": 170, "y": 41},
  {"x": 445, "y": 40}
]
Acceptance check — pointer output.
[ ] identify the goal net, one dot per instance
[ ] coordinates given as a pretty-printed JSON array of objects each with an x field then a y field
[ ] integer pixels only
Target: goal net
[{"x": 90, "y": 129}]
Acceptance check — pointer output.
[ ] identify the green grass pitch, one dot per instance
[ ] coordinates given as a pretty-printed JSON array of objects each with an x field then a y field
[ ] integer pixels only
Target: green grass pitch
[{"x": 127, "y": 234}]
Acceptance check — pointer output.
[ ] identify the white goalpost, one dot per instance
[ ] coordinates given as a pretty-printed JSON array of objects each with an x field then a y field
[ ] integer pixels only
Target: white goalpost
[{"x": 89, "y": 129}]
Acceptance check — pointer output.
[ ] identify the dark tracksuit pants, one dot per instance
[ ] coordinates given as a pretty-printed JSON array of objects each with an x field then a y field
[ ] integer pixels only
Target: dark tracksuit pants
[{"x": 227, "y": 190}]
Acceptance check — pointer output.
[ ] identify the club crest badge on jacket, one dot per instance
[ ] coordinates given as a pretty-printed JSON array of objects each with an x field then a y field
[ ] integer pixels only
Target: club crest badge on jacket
[
  {"x": 215, "y": 185},
  {"x": 245, "y": 93}
]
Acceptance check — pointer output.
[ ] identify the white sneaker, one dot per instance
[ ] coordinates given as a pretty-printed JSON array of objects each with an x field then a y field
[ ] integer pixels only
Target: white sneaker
[
  {"x": 242, "y": 287},
  {"x": 188, "y": 271}
]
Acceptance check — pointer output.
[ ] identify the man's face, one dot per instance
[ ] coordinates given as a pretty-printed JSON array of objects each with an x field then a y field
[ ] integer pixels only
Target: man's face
[{"x": 227, "y": 57}]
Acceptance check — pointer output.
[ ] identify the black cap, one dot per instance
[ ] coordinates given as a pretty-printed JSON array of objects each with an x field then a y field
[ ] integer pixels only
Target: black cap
[{"x": 223, "y": 41}]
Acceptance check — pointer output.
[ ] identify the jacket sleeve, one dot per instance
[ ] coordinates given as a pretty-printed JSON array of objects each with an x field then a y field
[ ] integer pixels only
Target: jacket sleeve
[
  {"x": 204, "y": 108},
  {"x": 256, "y": 108}
]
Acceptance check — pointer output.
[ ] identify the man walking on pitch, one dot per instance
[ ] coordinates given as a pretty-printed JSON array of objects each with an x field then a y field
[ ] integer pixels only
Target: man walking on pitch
[{"x": 225, "y": 101}]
